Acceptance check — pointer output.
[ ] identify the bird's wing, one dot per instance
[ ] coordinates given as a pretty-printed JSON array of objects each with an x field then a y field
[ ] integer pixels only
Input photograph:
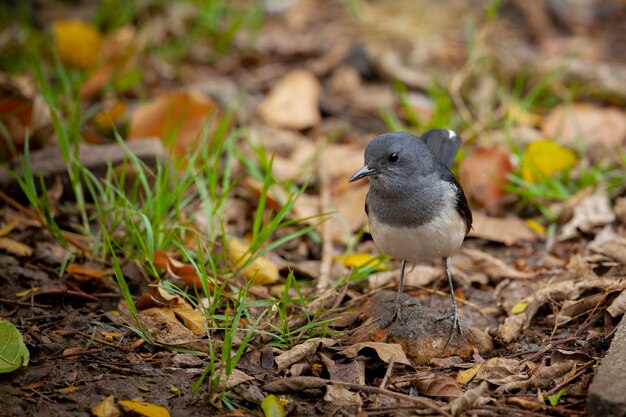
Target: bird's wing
[{"x": 443, "y": 143}]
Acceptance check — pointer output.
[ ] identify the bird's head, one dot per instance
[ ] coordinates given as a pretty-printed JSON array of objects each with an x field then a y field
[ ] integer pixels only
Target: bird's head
[{"x": 392, "y": 160}]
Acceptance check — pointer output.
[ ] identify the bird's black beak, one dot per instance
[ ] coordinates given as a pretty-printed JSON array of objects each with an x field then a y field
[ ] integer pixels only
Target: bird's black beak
[{"x": 362, "y": 173}]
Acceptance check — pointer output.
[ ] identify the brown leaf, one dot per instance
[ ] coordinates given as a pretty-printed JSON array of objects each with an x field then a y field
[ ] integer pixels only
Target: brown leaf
[
  {"x": 495, "y": 268},
  {"x": 511, "y": 329},
  {"x": 293, "y": 101},
  {"x": 508, "y": 230},
  {"x": 298, "y": 352},
  {"x": 193, "y": 319},
  {"x": 500, "y": 371},
  {"x": 342, "y": 397},
  {"x": 296, "y": 384},
  {"x": 618, "y": 306},
  {"x": 595, "y": 126},
  {"x": 84, "y": 272},
  {"x": 184, "y": 272},
  {"x": 385, "y": 351},
  {"x": 14, "y": 247},
  {"x": 484, "y": 175},
  {"x": 178, "y": 118},
  {"x": 594, "y": 210},
  {"x": 439, "y": 386},
  {"x": 118, "y": 57}
]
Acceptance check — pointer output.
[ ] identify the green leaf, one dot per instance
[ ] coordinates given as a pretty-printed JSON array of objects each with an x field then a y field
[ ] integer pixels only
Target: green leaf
[
  {"x": 13, "y": 352},
  {"x": 272, "y": 407},
  {"x": 554, "y": 398}
]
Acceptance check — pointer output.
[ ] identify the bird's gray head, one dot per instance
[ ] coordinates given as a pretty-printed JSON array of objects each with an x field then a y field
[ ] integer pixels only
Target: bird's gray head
[{"x": 393, "y": 160}]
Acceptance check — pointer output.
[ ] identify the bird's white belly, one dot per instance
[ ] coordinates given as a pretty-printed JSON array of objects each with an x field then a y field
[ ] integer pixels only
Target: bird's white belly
[{"x": 440, "y": 238}]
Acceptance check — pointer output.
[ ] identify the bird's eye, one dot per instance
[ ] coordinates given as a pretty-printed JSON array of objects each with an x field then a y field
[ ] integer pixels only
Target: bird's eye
[{"x": 393, "y": 158}]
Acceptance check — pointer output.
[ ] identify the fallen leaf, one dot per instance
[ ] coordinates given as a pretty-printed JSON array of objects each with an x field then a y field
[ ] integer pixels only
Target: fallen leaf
[
  {"x": 618, "y": 306},
  {"x": 358, "y": 260},
  {"x": 589, "y": 124},
  {"x": 519, "y": 307},
  {"x": 272, "y": 407},
  {"x": 109, "y": 116},
  {"x": 14, "y": 247},
  {"x": 592, "y": 211},
  {"x": 508, "y": 230},
  {"x": 439, "y": 386},
  {"x": 77, "y": 43},
  {"x": 182, "y": 120},
  {"x": 261, "y": 270},
  {"x": 465, "y": 376},
  {"x": 342, "y": 397},
  {"x": 484, "y": 173},
  {"x": 303, "y": 350},
  {"x": 500, "y": 371},
  {"x": 511, "y": 329},
  {"x": 544, "y": 158},
  {"x": 106, "y": 408},
  {"x": 84, "y": 272},
  {"x": 184, "y": 272},
  {"x": 467, "y": 401},
  {"x": 293, "y": 102},
  {"x": 117, "y": 59},
  {"x": 13, "y": 351},
  {"x": 495, "y": 268},
  {"x": 385, "y": 351},
  {"x": 193, "y": 319},
  {"x": 144, "y": 408}
]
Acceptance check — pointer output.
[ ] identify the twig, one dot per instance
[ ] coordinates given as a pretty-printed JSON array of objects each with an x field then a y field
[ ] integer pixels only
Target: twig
[
  {"x": 323, "y": 281},
  {"x": 22, "y": 303},
  {"x": 375, "y": 390},
  {"x": 387, "y": 374}
]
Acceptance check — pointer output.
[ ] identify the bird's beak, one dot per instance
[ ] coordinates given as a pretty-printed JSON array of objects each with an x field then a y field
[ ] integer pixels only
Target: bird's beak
[{"x": 362, "y": 173}]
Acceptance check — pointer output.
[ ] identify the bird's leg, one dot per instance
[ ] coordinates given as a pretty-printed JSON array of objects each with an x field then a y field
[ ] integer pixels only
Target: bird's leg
[
  {"x": 456, "y": 324},
  {"x": 398, "y": 311}
]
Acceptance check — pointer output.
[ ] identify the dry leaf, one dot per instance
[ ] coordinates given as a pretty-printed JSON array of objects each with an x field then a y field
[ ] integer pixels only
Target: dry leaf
[
  {"x": 193, "y": 319},
  {"x": 145, "y": 409},
  {"x": 439, "y": 386},
  {"x": 78, "y": 43},
  {"x": 594, "y": 126},
  {"x": 484, "y": 175},
  {"x": 117, "y": 59},
  {"x": 85, "y": 273},
  {"x": 618, "y": 306},
  {"x": 303, "y": 350},
  {"x": 594, "y": 210},
  {"x": 465, "y": 376},
  {"x": 293, "y": 101},
  {"x": 184, "y": 272},
  {"x": 500, "y": 371},
  {"x": 544, "y": 158},
  {"x": 342, "y": 397},
  {"x": 511, "y": 329},
  {"x": 386, "y": 351},
  {"x": 181, "y": 120},
  {"x": 261, "y": 270},
  {"x": 14, "y": 247},
  {"x": 357, "y": 260},
  {"x": 106, "y": 408},
  {"x": 495, "y": 268},
  {"x": 508, "y": 230}
]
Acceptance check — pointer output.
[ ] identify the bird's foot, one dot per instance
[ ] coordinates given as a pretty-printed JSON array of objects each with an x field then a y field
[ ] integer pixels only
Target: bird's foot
[
  {"x": 397, "y": 313},
  {"x": 456, "y": 325}
]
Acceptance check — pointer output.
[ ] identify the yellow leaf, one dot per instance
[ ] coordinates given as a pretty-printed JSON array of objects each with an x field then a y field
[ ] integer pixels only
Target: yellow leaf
[
  {"x": 523, "y": 116},
  {"x": 357, "y": 260},
  {"x": 145, "y": 409},
  {"x": 272, "y": 407},
  {"x": 6, "y": 229},
  {"x": 106, "y": 408},
  {"x": 109, "y": 116},
  {"x": 544, "y": 158},
  {"x": 261, "y": 270},
  {"x": 464, "y": 377},
  {"x": 193, "y": 319},
  {"x": 536, "y": 227},
  {"x": 78, "y": 43},
  {"x": 519, "y": 307},
  {"x": 68, "y": 389},
  {"x": 15, "y": 247}
]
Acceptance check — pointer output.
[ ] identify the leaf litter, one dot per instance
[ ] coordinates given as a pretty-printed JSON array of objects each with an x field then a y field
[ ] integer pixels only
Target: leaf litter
[{"x": 538, "y": 308}]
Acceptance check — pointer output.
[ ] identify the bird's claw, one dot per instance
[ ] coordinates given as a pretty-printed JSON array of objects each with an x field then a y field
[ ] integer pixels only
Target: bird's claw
[{"x": 456, "y": 325}]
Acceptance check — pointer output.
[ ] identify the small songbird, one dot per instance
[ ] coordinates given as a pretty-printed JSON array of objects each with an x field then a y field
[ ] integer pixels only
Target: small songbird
[{"x": 417, "y": 210}]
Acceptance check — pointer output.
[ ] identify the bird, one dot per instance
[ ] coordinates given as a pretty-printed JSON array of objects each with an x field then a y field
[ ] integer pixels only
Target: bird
[{"x": 417, "y": 210}]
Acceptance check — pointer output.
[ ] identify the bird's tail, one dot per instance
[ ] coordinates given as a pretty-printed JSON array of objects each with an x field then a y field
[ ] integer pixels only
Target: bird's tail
[{"x": 443, "y": 143}]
